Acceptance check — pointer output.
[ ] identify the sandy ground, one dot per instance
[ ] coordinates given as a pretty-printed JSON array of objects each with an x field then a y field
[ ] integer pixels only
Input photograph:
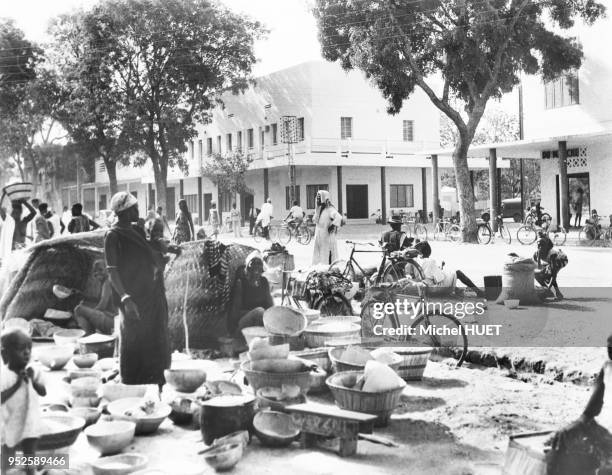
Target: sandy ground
[{"x": 456, "y": 421}]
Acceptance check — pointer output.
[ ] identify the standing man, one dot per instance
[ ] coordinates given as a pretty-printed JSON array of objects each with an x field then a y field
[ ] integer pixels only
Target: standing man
[
  {"x": 138, "y": 290},
  {"x": 21, "y": 224},
  {"x": 267, "y": 212},
  {"x": 252, "y": 218},
  {"x": 66, "y": 218},
  {"x": 235, "y": 218},
  {"x": 42, "y": 229},
  {"x": 327, "y": 221}
]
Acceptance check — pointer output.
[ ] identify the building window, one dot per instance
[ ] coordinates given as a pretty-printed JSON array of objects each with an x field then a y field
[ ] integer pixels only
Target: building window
[
  {"x": 563, "y": 91},
  {"x": 300, "y": 129},
  {"x": 229, "y": 142},
  {"x": 408, "y": 130},
  {"x": 209, "y": 150},
  {"x": 288, "y": 202},
  {"x": 346, "y": 128},
  {"x": 239, "y": 140},
  {"x": 218, "y": 144},
  {"x": 262, "y": 137},
  {"x": 192, "y": 203},
  {"x": 311, "y": 195},
  {"x": 401, "y": 196},
  {"x": 192, "y": 149},
  {"x": 250, "y": 140},
  {"x": 274, "y": 134},
  {"x": 200, "y": 150}
]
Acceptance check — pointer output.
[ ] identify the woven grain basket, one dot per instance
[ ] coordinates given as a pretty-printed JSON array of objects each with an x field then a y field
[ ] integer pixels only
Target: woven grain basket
[{"x": 414, "y": 362}]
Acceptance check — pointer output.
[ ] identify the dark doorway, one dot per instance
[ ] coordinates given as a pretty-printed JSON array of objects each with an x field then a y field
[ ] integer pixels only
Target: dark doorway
[
  {"x": 152, "y": 201},
  {"x": 579, "y": 186},
  {"x": 171, "y": 201},
  {"x": 357, "y": 201},
  {"x": 247, "y": 202},
  {"x": 207, "y": 201}
]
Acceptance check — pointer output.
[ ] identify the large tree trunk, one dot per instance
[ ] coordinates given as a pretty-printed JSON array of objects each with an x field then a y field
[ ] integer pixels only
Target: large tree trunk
[
  {"x": 160, "y": 172},
  {"x": 465, "y": 191},
  {"x": 111, "y": 171}
]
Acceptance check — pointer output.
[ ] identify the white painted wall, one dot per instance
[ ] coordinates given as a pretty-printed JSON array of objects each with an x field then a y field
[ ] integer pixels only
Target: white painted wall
[{"x": 594, "y": 112}]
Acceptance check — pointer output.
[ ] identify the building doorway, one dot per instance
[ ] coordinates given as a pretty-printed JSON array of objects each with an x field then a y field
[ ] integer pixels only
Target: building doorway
[
  {"x": 357, "y": 201},
  {"x": 579, "y": 184},
  {"x": 207, "y": 202},
  {"x": 247, "y": 202}
]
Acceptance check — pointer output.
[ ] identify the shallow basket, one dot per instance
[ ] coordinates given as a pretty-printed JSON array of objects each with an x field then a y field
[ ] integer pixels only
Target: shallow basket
[
  {"x": 338, "y": 365},
  {"x": 380, "y": 404},
  {"x": 18, "y": 191},
  {"x": 262, "y": 379},
  {"x": 316, "y": 339},
  {"x": 414, "y": 362}
]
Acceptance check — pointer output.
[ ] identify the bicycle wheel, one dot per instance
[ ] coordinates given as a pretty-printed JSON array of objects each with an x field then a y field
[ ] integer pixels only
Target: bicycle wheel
[
  {"x": 454, "y": 233},
  {"x": 392, "y": 273},
  {"x": 438, "y": 232},
  {"x": 333, "y": 304},
  {"x": 303, "y": 235},
  {"x": 484, "y": 234},
  {"x": 452, "y": 340},
  {"x": 558, "y": 236},
  {"x": 258, "y": 235},
  {"x": 526, "y": 235},
  {"x": 375, "y": 322},
  {"x": 283, "y": 235},
  {"x": 505, "y": 234},
  {"x": 420, "y": 232},
  {"x": 587, "y": 233}
]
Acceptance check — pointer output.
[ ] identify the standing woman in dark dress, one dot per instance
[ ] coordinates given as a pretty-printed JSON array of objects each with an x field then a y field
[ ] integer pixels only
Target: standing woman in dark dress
[
  {"x": 183, "y": 232},
  {"x": 144, "y": 347}
]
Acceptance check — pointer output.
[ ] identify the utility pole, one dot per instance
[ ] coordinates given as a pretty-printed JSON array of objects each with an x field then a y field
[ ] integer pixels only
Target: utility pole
[{"x": 289, "y": 136}]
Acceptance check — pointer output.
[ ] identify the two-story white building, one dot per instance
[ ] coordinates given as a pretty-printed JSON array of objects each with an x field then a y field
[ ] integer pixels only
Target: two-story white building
[
  {"x": 347, "y": 144},
  {"x": 567, "y": 124}
]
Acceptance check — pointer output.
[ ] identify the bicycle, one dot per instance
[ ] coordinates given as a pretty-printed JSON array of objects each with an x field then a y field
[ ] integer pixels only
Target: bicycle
[
  {"x": 414, "y": 229},
  {"x": 276, "y": 233},
  {"x": 593, "y": 231},
  {"x": 485, "y": 233},
  {"x": 528, "y": 234},
  {"x": 531, "y": 216},
  {"x": 300, "y": 231},
  {"x": 447, "y": 228},
  {"x": 380, "y": 315}
]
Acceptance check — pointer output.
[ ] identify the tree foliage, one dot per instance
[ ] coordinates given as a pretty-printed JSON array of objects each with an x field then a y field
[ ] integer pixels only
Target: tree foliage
[
  {"x": 165, "y": 63},
  {"x": 477, "y": 47},
  {"x": 228, "y": 172}
]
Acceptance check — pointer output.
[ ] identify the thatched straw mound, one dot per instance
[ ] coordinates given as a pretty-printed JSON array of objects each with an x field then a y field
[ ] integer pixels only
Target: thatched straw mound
[
  {"x": 211, "y": 269},
  {"x": 67, "y": 261}
]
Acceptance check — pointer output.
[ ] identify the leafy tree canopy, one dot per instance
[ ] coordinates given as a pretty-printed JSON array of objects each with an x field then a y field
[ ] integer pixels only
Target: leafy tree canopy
[{"x": 228, "y": 171}]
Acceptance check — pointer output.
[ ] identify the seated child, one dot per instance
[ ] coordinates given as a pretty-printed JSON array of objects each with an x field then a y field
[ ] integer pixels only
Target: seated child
[
  {"x": 21, "y": 387},
  {"x": 100, "y": 318}
]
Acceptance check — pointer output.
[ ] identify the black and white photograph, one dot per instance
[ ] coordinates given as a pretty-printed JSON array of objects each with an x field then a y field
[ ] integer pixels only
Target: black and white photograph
[{"x": 303, "y": 237}]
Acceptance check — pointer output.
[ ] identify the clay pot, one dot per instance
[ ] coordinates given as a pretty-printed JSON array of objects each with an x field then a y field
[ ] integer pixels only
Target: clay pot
[{"x": 223, "y": 415}]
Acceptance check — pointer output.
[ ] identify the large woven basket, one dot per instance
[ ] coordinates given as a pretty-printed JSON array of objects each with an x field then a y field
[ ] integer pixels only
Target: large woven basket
[
  {"x": 18, "y": 191},
  {"x": 261, "y": 379},
  {"x": 414, "y": 362},
  {"x": 380, "y": 404},
  {"x": 338, "y": 365}
]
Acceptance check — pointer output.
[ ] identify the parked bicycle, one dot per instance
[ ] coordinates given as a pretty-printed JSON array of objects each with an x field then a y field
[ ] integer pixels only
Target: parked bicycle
[
  {"x": 447, "y": 229},
  {"x": 531, "y": 216},
  {"x": 412, "y": 228},
  {"x": 528, "y": 234},
  {"x": 593, "y": 231},
  {"x": 485, "y": 232},
  {"x": 392, "y": 305}
]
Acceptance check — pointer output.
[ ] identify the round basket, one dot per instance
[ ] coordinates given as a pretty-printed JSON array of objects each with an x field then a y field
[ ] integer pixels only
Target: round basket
[
  {"x": 338, "y": 365},
  {"x": 381, "y": 404},
  {"x": 261, "y": 379},
  {"x": 18, "y": 191},
  {"x": 414, "y": 362},
  {"x": 318, "y": 334}
]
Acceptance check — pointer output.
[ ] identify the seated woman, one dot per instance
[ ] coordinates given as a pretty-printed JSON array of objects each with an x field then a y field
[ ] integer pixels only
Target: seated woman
[
  {"x": 100, "y": 318},
  {"x": 585, "y": 446},
  {"x": 250, "y": 296},
  {"x": 437, "y": 276}
]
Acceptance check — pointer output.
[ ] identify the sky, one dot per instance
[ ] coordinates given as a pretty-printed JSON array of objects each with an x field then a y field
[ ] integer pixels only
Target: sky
[{"x": 292, "y": 39}]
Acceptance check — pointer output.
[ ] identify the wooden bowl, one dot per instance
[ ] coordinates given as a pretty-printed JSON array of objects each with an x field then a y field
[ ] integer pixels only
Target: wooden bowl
[
  {"x": 185, "y": 380},
  {"x": 110, "y": 437},
  {"x": 224, "y": 456},
  {"x": 59, "y": 430},
  {"x": 68, "y": 337},
  {"x": 119, "y": 464},
  {"x": 144, "y": 424},
  {"x": 275, "y": 429},
  {"x": 85, "y": 361},
  {"x": 54, "y": 357},
  {"x": 284, "y": 321}
]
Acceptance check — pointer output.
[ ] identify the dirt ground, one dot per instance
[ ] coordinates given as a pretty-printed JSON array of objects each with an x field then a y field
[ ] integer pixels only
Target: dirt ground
[{"x": 456, "y": 421}]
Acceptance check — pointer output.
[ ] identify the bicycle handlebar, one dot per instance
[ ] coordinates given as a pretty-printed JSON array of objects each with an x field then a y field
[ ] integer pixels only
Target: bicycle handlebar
[{"x": 359, "y": 243}]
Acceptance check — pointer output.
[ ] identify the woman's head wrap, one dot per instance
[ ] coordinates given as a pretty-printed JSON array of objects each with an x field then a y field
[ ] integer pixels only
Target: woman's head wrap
[
  {"x": 122, "y": 201},
  {"x": 252, "y": 258}
]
